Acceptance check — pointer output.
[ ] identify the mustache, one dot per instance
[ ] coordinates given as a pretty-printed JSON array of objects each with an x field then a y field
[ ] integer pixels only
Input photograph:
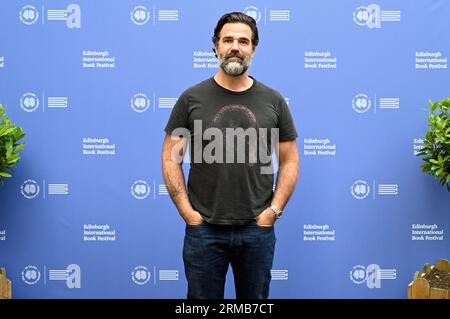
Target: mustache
[{"x": 237, "y": 55}]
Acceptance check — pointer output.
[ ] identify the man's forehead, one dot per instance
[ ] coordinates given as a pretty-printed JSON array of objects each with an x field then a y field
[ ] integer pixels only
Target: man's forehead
[{"x": 239, "y": 30}]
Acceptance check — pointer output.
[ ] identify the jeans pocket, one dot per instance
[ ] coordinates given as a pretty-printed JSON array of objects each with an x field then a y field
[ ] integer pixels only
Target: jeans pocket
[
  {"x": 196, "y": 225},
  {"x": 261, "y": 226}
]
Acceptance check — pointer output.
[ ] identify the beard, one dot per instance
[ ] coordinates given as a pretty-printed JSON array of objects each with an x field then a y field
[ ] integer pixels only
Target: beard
[{"x": 234, "y": 64}]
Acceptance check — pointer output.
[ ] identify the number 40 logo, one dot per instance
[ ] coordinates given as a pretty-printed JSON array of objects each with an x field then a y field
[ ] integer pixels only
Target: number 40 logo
[{"x": 371, "y": 275}]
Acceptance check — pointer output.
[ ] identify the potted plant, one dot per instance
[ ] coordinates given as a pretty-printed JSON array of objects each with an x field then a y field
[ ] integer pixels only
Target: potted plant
[
  {"x": 431, "y": 283},
  {"x": 10, "y": 135},
  {"x": 436, "y": 148},
  {"x": 5, "y": 285}
]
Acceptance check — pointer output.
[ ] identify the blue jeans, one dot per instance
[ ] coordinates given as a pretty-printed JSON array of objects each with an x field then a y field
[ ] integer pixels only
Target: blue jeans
[{"x": 209, "y": 249}]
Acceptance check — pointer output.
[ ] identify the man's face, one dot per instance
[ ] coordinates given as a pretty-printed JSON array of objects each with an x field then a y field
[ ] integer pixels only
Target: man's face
[{"x": 234, "y": 48}]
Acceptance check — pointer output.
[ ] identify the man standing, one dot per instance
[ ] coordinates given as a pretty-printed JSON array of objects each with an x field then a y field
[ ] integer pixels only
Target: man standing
[{"x": 229, "y": 205}]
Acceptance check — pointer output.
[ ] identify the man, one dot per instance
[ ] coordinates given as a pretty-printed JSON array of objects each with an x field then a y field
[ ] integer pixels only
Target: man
[{"x": 229, "y": 206}]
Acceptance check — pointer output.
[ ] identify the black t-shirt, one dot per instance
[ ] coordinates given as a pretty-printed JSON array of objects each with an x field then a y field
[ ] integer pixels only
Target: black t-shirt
[{"x": 231, "y": 190}]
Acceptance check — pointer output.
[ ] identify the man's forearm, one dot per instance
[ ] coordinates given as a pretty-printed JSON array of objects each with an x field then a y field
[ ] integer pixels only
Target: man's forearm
[
  {"x": 286, "y": 180},
  {"x": 174, "y": 179}
]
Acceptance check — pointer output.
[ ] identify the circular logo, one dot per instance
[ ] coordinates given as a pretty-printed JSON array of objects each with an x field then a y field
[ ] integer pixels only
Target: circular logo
[
  {"x": 140, "y": 103},
  {"x": 361, "y": 15},
  {"x": 28, "y": 15},
  {"x": 253, "y": 12},
  {"x": 360, "y": 189},
  {"x": 140, "y": 189},
  {"x": 29, "y": 102},
  {"x": 140, "y": 275},
  {"x": 29, "y": 189},
  {"x": 31, "y": 275},
  {"x": 361, "y": 103},
  {"x": 358, "y": 274},
  {"x": 140, "y": 15}
]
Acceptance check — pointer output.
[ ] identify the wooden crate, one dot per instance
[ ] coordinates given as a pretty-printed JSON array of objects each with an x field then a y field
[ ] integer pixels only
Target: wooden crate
[
  {"x": 420, "y": 288},
  {"x": 5, "y": 285}
]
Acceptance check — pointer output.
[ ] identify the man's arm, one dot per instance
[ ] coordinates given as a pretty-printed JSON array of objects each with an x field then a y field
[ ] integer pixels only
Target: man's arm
[
  {"x": 288, "y": 170},
  {"x": 172, "y": 155}
]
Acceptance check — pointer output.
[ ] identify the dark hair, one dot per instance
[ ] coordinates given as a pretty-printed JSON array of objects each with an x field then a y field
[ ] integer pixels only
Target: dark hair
[{"x": 234, "y": 17}]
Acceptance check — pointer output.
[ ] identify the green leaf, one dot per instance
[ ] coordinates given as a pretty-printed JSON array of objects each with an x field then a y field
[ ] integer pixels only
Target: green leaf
[
  {"x": 12, "y": 159},
  {"x": 19, "y": 147},
  {"x": 10, "y": 148},
  {"x": 7, "y": 131},
  {"x": 3, "y": 174},
  {"x": 434, "y": 106},
  {"x": 426, "y": 168}
]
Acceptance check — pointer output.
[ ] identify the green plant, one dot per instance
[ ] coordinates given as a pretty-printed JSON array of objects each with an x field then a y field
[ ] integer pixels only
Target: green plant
[
  {"x": 10, "y": 135},
  {"x": 436, "y": 148}
]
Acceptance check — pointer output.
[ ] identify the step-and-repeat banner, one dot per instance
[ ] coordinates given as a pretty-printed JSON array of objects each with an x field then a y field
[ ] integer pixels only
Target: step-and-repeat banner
[{"x": 92, "y": 83}]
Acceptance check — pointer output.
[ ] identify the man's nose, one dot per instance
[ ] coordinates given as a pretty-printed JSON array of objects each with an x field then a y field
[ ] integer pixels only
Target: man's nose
[{"x": 235, "y": 46}]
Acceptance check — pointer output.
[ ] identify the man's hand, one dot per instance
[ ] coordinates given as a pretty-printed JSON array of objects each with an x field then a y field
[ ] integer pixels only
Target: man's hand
[
  {"x": 266, "y": 218},
  {"x": 172, "y": 155},
  {"x": 193, "y": 218}
]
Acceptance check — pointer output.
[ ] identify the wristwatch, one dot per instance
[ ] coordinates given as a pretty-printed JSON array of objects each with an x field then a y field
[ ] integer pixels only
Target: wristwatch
[{"x": 276, "y": 211}]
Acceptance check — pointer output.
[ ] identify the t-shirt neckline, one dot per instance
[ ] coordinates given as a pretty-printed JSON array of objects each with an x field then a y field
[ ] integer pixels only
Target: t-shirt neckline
[{"x": 235, "y": 92}]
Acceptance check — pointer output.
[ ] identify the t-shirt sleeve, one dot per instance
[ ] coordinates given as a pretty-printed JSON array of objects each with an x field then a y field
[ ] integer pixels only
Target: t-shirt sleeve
[
  {"x": 179, "y": 117},
  {"x": 286, "y": 124}
]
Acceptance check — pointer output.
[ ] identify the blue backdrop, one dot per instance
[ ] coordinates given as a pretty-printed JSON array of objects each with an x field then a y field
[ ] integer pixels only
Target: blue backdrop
[{"x": 92, "y": 83}]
